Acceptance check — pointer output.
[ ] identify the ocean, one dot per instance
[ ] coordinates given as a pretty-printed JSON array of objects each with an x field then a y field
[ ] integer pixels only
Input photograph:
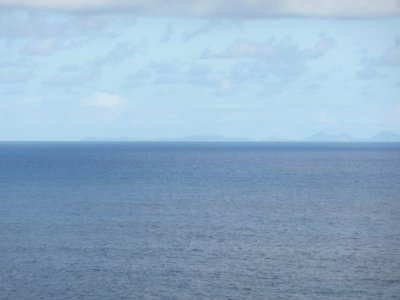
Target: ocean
[{"x": 90, "y": 220}]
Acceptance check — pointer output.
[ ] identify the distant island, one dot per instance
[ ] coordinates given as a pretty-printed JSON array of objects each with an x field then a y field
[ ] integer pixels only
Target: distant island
[
  {"x": 384, "y": 136},
  {"x": 323, "y": 137}
]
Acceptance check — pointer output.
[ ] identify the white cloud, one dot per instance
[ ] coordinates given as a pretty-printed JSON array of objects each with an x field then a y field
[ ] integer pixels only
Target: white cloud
[
  {"x": 105, "y": 101},
  {"x": 225, "y": 8}
]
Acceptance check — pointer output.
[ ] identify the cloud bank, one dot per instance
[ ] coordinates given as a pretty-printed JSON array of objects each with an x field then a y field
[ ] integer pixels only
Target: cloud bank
[{"x": 223, "y": 8}]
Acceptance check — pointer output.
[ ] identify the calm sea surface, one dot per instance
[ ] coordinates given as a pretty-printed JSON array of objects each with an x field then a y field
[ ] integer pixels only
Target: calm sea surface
[{"x": 199, "y": 221}]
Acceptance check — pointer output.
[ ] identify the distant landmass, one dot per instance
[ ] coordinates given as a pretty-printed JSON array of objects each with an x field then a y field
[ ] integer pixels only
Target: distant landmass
[
  {"x": 323, "y": 137},
  {"x": 384, "y": 136}
]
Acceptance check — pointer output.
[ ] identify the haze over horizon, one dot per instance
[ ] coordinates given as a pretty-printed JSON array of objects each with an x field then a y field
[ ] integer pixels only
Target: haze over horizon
[{"x": 250, "y": 69}]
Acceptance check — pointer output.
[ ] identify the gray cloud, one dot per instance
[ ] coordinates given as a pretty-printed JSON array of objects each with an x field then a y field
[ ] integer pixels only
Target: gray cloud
[
  {"x": 16, "y": 72},
  {"x": 284, "y": 50},
  {"x": 391, "y": 57},
  {"x": 368, "y": 72},
  {"x": 43, "y": 34},
  {"x": 201, "y": 75},
  {"x": 277, "y": 74},
  {"x": 273, "y": 63},
  {"x": 245, "y": 49},
  {"x": 37, "y": 24},
  {"x": 14, "y": 76},
  {"x": 371, "y": 67},
  {"x": 204, "y": 29},
  {"x": 167, "y": 34},
  {"x": 121, "y": 52},
  {"x": 211, "y": 25},
  {"x": 324, "y": 44},
  {"x": 224, "y": 8},
  {"x": 136, "y": 79},
  {"x": 48, "y": 46},
  {"x": 167, "y": 72},
  {"x": 175, "y": 72},
  {"x": 71, "y": 75}
]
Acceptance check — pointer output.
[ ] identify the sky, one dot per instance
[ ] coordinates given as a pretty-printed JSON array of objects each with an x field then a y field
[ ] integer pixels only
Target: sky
[{"x": 154, "y": 69}]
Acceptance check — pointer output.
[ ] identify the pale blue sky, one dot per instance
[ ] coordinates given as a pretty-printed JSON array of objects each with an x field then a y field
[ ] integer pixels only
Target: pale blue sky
[{"x": 69, "y": 71}]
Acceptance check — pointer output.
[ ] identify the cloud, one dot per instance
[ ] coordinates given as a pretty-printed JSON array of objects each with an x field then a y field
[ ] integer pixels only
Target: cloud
[
  {"x": 60, "y": 29},
  {"x": 275, "y": 73},
  {"x": 324, "y": 44},
  {"x": 390, "y": 58},
  {"x": 223, "y": 8},
  {"x": 72, "y": 75},
  {"x": 175, "y": 72},
  {"x": 43, "y": 34},
  {"x": 136, "y": 79},
  {"x": 42, "y": 47},
  {"x": 368, "y": 72},
  {"x": 121, "y": 52},
  {"x": 270, "y": 63},
  {"x": 273, "y": 64},
  {"x": 106, "y": 106},
  {"x": 167, "y": 34},
  {"x": 243, "y": 49},
  {"x": 284, "y": 50},
  {"x": 201, "y": 75},
  {"x": 210, "y": 26},
  {"x": 16, "y": 72},
  {"x": 167, "y": 72},
  {"x": 14, "y": 76},
  {"x": 106, "y": 101},
  {"x": 204, "y": 29},
  {"x": 47, "y": 46}
]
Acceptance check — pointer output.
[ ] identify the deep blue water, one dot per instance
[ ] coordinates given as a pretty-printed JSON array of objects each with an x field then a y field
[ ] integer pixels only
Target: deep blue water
[{"x": 199, "y": 221}]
